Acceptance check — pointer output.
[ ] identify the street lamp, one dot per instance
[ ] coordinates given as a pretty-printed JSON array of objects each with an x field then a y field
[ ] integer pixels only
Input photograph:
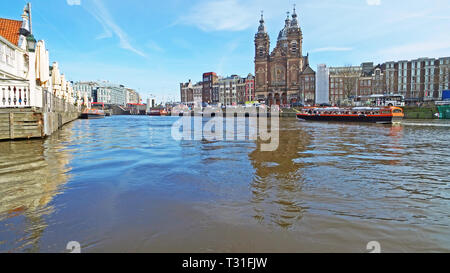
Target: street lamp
[{"x": 31, "y": 43}]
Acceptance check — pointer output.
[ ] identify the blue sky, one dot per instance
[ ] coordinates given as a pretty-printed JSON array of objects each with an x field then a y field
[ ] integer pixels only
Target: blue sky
[{"x": 153, "y": 45}]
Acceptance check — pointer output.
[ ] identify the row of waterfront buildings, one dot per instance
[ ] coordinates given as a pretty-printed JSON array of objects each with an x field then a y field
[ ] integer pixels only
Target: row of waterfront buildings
[
  {"x": 218, "y": 90},
  {"x": 108, "y": 93},
  {"x": 284, "y": 76},
  {"x": 418, "y": 80}
]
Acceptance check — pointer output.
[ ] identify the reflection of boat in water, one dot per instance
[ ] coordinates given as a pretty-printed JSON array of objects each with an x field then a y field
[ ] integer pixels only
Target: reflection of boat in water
[
  {"x": 385, "y": 115},
  {"x": 93, "y": 114}
]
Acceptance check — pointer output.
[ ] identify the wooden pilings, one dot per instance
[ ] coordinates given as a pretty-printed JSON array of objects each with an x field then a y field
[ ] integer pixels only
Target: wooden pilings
[
  {"x": 26, "y": 123},
  {"x": 20, "y": 124}
]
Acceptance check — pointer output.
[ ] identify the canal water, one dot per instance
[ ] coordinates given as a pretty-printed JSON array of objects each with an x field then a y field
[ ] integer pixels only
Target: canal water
[{"x": 122, "y": 184}]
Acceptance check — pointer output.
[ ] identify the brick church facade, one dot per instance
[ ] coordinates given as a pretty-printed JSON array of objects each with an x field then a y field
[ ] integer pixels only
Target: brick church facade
[{"x": 278, "y": 72}]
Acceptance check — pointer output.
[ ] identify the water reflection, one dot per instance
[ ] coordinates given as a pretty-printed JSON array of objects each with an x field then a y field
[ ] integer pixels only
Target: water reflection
[
  {"x": 278, "y": 179},
  {"x": 329, "y": 187},
  {"x": 31, "y": 175}
]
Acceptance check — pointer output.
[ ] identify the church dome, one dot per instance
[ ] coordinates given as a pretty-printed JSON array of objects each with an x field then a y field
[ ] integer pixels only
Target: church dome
[{"x": 284, "y": 32}]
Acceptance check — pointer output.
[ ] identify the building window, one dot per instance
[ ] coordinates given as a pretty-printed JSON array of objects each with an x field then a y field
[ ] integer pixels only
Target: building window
[
  {"x": 294, "y": 47},
  {"x": 10, "y": 55},
  {"x": 2, "y": 53},
  {"x": 261, "y": 51}
]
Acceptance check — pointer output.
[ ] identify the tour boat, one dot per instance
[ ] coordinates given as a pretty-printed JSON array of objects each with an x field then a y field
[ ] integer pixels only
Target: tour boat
[
  {"x": 158, "y": 112},
  {"x": 386, "y": 115},
  {"x": 92, "y": 114},
  {"x": 154, "y": 112}
]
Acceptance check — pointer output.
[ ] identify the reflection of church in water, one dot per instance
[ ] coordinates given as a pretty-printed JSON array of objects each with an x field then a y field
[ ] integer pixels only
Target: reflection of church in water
[{"x": 278, "y": 73}]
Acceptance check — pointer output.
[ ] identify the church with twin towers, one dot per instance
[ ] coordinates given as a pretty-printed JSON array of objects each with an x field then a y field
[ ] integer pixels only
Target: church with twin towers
[{"x": 278, "y": 72}]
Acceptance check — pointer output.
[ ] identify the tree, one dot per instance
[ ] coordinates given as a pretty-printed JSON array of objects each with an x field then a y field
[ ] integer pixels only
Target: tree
[{"x": 350, "y": 77}]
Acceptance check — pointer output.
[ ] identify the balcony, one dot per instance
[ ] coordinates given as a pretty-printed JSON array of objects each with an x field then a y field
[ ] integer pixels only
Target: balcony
[{"x": 19, "y": 95}]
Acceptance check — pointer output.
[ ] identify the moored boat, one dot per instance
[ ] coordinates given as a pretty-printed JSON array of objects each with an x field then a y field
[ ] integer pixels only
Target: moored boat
[
  {"x": 158, "y": 112},
  {"x": 92, "y": 114},
  {"x": 154, "y": 112},
  {"x": 387, "y": 115}
]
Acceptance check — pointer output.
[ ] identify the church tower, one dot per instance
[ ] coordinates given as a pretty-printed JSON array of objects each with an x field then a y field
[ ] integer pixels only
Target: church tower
[
  {"x": 262, "y": 51},
  {"x": 295, "y": 60},
  {"x": 278, "y": 72}
]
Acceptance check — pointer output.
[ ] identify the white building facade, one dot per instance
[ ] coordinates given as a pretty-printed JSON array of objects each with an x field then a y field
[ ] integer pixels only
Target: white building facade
[
  {"x": 322, "y": 84},
  {"x": 17, "y": 65}
]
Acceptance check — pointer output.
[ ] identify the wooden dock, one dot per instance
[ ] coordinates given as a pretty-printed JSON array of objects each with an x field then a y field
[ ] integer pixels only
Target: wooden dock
[
  {"x": 30, "y": 123},
  {"x": 36, "y": 122},
  {"x": 20, "y": 124}
]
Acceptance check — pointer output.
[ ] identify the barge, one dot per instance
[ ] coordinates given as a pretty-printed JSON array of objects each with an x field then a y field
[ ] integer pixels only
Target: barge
[{"x": 93, "y": 114}]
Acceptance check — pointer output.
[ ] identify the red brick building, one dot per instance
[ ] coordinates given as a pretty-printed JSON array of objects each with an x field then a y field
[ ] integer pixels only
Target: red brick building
[
  {"x": 308, "y": 85},
  {"x": 418, "y": 80},
  {"x": 187, "y": 92},
  {"x": 208, "y": 94}
]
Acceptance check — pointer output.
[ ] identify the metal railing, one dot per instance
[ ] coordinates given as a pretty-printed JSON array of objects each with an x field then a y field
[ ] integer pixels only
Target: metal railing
[{"x": 51, "y": 103}]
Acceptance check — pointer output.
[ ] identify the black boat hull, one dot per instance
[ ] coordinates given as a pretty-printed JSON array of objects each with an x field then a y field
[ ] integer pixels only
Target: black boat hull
[{"x": 91, "y": 116}]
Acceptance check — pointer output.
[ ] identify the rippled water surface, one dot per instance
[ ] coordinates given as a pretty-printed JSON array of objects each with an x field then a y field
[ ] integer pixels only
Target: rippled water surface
[{"x": 122, "y": 184}]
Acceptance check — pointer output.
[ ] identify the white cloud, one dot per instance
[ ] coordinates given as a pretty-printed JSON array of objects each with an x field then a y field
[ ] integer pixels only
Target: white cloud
[
  {"x": 73, "y": 2},
  {"x": 432, "y": 48},
  {"x": 220, "y": 15},
  {"x": 331, "y": 49},
  {"x": 226, "y": 53},
  {"x": 111, "y": 28},
  {"x": 154, "y": 46},
  {"x": 373, "y": 2}
]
